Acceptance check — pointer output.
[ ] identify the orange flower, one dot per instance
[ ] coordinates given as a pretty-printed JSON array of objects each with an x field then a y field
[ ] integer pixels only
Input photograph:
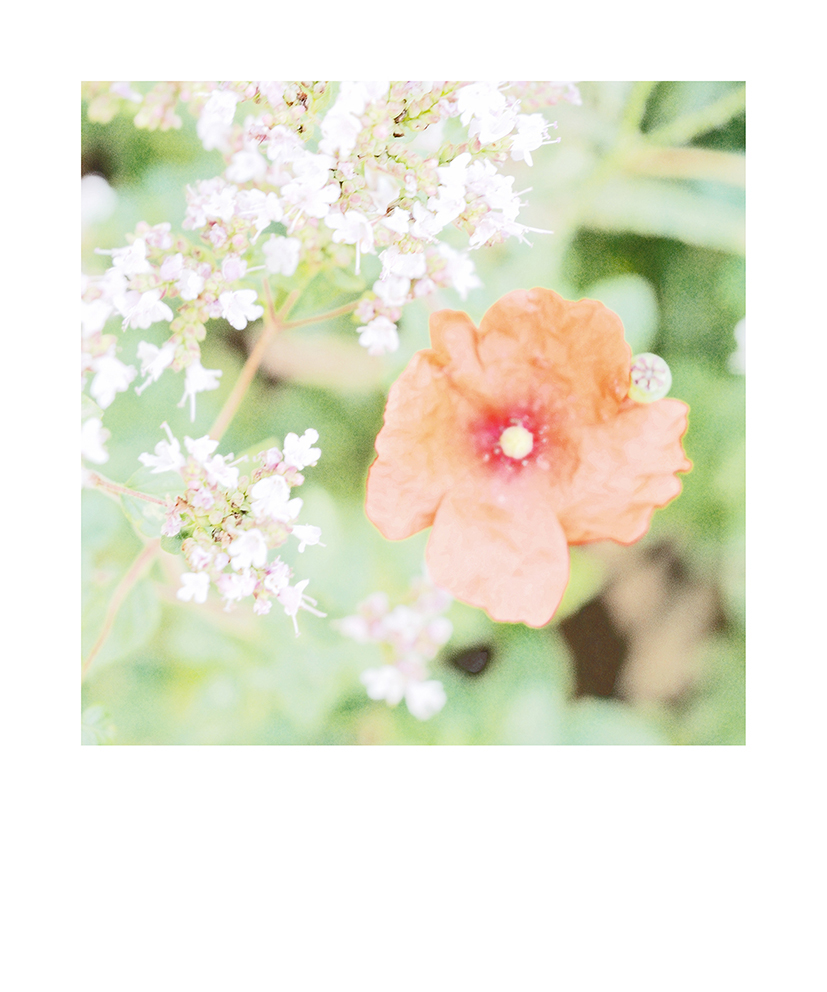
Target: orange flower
[{"x": 514, "y": 441}]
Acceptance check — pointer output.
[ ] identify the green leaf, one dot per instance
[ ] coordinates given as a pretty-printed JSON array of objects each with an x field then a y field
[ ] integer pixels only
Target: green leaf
[{"x": 701, "y": 214}]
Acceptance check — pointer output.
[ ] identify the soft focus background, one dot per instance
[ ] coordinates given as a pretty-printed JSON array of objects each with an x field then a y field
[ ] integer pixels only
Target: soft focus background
[{"x": 645, "y": 196}]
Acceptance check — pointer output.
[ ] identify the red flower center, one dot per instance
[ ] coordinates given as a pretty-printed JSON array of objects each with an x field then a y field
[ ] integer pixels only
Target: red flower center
[{"x": 510, "y": 440}]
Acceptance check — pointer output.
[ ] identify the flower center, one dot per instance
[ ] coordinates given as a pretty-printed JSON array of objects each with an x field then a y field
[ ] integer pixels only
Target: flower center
[{"x": 516, "y": 442}]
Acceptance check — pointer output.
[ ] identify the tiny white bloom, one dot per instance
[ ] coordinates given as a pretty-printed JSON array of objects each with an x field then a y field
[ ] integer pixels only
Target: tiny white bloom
[
  {"x": 93, "y": 316},
  {"x": 307, "y": 534},
  {"x": 143, "y": 309},
  {"x": 198, "y": 380},
  {"x": 271, "y": 499},
  {"x": 167, "y": 457},
  {"x": 385, "y": 683},
  {"x": 201, "y": 448},
  {"x": 424, "y": 699},
  {"x": 282, "y": 254},
  {"x": 112, "y": 377},
  {"x": 194, "y": 586},
  {"x": 248, "y": 550},
  {"x": 379, "y": 336},
  {"x": 216, "y": 119},
  {"x": 292, "y": 598},
  {"x": 392, "y": 290},
  {"x": 93, "y": 436},
  {"x": 238, "y": 307},
  {"x": 298, "y": 451},
  {"x": 189, "y": 285},
  {"x": 153, "y": 361}
]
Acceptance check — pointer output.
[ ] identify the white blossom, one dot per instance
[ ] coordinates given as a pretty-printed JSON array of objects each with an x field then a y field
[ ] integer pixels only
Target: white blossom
[
  {"x": 167, "y": 457},
  {"x": 143, "y": 309},
  {"x": 424, "y": 699},
  {"x": 215, "y": 122},
  {"x": 298, "y": 451},
  {"x": 238, "y": 307},
  {"x": 153, "y": 361},
  {"x": 198, "y": 380},
  {"x": 282, "y": 255},
  {"x": 111, "y": 377},
  {"x": 248, "y": 550},
  {"x": 93, "y": 436},
  {"x": 379, "y": 336},
  {"x": 271, "y": 499},
  {"x": 194, "y": 586},
  {"x": 307, "y": 534}
]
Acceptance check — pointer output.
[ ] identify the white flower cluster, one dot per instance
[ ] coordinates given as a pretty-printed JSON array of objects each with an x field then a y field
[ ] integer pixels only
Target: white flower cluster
[
  {"x": 382, "y": 180},
  {"x": 230, "y": 525},
  {"x": 412, "y": 634}
]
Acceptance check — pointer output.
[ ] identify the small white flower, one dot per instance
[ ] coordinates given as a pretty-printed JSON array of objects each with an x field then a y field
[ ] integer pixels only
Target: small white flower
[
  {"x": 198, "y": 380},
  {"x": 459, "y": 270},
  {"x": 398, "y": 220},
  {"x": 238, "y": 307},
  {"x": 143, "y": 309},
  {"x": 215, "y": 123},
  {"x": 167, "y": 457},
  {"x": 292, "y": 598},
  {"x": 248, "y": 550},
  {"x": 379, "y": 336},
  {"x": 298, "y": 451},
  {"x": 307, "y": 534},
  {"x": 201, "y": 448},
  {"x": 112, "y": 377},
  {"x": 153, "y": 361},
  {"x": 247, "y": 165},
  {"x": 271, "y": 499},
  {"x": 131, "y": 260},
  {"x": 411, "y": 265},
  {"x": 234, "y": 268},
  {"x": 282, "y": 255},
  {"x": 97, "y": 200},
  {"x": 352, "y": 228},
  {"x": 220, "y": 472},
  {"x": 234, "y": 586},
  {"x": 392, "y": 290},
  {"x": 277, "y": 576},
  {"x": 532, "y": 132},
  {"x": 171, "y": 267},
  {"x": 93, "y": 316},
  {"x": 194, "y": 586},
  {"x": 425, "y": 699},
  {"x": 189, "y": 285},
  {"x": 93, "y": 436},
  {"x": 385, "y": 683}
]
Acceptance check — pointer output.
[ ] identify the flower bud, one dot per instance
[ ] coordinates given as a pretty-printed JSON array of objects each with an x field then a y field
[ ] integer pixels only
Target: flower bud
[{"x": 650, "y": 378}]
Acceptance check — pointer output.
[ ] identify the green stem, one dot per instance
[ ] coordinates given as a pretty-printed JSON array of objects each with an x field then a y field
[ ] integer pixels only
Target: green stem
[
  {"x": 347, "y": 308},
  {"x": 273, "y": 322},
  {"x": 99, "y": 482},
  {"x": 690, "y": 126}
]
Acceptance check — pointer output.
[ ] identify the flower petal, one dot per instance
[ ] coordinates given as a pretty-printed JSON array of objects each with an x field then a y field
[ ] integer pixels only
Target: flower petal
[
  {"x": 500, "y": 547},
  {"x": 626, "y": 470},
  {"x": 574, "y": 349},
  {"x": 422, "y": 449}
]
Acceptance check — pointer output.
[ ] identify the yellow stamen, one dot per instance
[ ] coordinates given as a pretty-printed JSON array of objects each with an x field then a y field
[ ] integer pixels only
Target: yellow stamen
[{"x": 516, "y": 442}]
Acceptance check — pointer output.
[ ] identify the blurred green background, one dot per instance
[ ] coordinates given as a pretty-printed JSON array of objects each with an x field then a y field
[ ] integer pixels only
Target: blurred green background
[{"x": 645, "y": 196}]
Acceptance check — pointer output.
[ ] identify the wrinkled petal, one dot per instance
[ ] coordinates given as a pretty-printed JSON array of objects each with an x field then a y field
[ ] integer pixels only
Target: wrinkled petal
[
  {"x": 500, "y": 547},
  {"x": 422, "y": 449},
  {"x": 572, "y": 353},
  {"x": 626, "y": 470}
]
